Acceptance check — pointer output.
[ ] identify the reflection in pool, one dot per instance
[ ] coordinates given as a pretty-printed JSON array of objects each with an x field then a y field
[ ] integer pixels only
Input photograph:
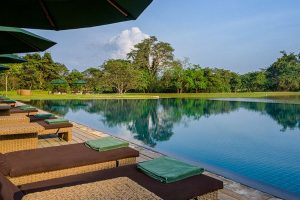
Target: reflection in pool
[{"x": 256, "y": 143}]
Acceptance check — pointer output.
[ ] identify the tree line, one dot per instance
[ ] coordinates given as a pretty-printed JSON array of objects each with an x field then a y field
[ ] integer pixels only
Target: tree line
[{"x": 152, "y": 67}]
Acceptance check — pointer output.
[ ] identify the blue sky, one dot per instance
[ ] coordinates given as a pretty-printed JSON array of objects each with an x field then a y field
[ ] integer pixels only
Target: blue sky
[{"x": 240, "y": 35}]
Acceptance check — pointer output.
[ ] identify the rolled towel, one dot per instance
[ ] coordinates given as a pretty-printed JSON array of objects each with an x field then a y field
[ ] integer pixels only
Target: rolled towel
[
  {"x": 168, "y": 170},
  {"x": 44, "y": 116},
  {"x": 56, "y": 121},
  {"x": 106, "y": 143}
]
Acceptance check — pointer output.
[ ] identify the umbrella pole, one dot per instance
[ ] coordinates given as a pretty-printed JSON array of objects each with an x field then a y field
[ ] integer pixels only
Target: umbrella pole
[{"x": 6, "y": 85}]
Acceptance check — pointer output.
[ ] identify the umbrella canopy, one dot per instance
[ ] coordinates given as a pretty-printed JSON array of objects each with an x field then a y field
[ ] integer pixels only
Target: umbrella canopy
[
  {"x": 79, "y": 82},
  {"x": 16, "y": 40},
  {"x": 58, "y": 82},
  {"x": 68, "y": 14},
  {"x": 3, "y": 68},
  {"x": 11, "y": 58}
]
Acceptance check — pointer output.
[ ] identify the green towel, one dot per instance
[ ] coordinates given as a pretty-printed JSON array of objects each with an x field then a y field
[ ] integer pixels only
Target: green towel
[
  {"x": 44, "y": 116},
  {"x": 105, "y": 144},
  {"x": 168, "y": 170},
  {"x": 8, "y": 101},
  {"x": 24, "y": 106},
  {"x": 27, "y": 108},
  {"x": 57, "y": 121}
]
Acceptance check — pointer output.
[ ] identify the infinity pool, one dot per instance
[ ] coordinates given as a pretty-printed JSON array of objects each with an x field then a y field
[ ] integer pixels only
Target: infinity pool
[{"x": 255, "y": 143}]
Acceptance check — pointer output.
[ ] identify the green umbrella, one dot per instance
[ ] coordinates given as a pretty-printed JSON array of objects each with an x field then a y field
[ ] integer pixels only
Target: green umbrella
[
  {"x": 58, "y": 82},
  {"x": 11, "y": 58},
  {"x": 68, "y": 14},
  {"x": 16, "y": 40},
  {"x": 79, "y": 82}
]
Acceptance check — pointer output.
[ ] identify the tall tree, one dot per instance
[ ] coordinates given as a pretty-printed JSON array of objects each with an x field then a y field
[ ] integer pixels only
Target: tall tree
[
  {"x": 152, "y": 56},
  {"x": 93, "y": 76},
  {"x": 284, "y": 74},
  {"x": 120, "y": 75}
]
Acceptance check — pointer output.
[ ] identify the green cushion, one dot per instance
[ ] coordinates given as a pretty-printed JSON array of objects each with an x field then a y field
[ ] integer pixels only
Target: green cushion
[
  {"x": 44, "y": 116},
  {"x": 106, "y": 143},
  {"x": 168, "y": 170},
  {"x": 8, "y": 101},
  {"x": 27, "y": 107},
  {"x": 57, "y": 121}
]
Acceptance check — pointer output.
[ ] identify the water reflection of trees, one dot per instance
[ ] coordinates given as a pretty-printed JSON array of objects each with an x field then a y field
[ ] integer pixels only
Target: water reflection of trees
[
  {"x": 60, "y": 107},
  {"x": 287, "y": 115},
  {"x": 153, "y": 120}
]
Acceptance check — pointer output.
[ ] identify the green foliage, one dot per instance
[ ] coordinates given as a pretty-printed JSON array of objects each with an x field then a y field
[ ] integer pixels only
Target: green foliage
[
  {"x": 151, "y": 67},
  {"x": 121, "y": 76},
  {"x": 284, "y": 74},
  {"x": 36, "y": 73},
  {"x": 254, "y": 81},
  {"x": 74, "y": 76},
  {"x": 151, "y": 56}
]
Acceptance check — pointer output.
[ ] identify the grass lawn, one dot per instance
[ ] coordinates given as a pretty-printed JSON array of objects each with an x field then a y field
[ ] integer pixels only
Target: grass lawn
[{"x": 44, "y": 95}]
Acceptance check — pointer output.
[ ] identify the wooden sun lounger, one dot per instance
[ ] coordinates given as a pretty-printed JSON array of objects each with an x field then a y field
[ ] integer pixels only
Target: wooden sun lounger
[
  {"x": 54, "y": 162},
  {"x": 18, "y": 111},
  {"x": 13, "y": 120},
  {"x": 16, "y": 133},
  {"x": 4, "y": 109},
  {"x": 11, "y": 104},
  {"x": 20, "y": 137},
  {"x": 127, "y": 181},
  {"x": 63, "y": 130}
]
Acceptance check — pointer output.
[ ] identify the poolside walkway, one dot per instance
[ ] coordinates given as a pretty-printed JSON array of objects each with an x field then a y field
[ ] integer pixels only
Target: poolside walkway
[{"x": 231, "y": 191}]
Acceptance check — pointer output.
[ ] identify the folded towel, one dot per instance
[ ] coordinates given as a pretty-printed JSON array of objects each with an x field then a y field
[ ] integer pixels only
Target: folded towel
[
  {"x": 44, "y": 116},
  {"x": 57, "y": 121},
  {"x": 27, "y": 108},
  {"x": 4, "y": 98},
  {"x": 8, "y": 101},
  {"x": 168, "y": 170},
  {"x": 24, "y": 106},
  {"x": 105, "y": 144}
]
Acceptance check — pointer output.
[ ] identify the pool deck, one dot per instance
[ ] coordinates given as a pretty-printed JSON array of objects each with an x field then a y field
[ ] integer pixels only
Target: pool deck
[{"x": 81, "y": 133}]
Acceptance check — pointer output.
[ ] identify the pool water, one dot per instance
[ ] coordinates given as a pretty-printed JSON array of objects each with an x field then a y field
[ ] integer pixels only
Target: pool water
[{"x": 255, "y": 143}]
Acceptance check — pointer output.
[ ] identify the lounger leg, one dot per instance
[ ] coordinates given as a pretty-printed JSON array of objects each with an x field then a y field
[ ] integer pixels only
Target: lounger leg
[{"x": 68, "y": 136}]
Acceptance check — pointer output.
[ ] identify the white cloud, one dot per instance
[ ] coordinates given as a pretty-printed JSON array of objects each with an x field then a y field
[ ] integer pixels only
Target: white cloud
[{"x": 122, "y": 44}]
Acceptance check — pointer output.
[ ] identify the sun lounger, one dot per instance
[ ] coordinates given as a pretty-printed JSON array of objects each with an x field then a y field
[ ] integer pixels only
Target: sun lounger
[
  {"x": 114, "y": 180},
  {"x": 26, "y": 112},
  {"x": 13, "y": 120},
  {"x": 41, "y": 117},
  {"x": 63, "y": 130},
  {"x": 20, "y": 137},
  {"x": 9, "y": 102},
  {"x": 54, "y": 162},
  {"x": 16, "y": 119},
  {"x": 4, "y": 109}
]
